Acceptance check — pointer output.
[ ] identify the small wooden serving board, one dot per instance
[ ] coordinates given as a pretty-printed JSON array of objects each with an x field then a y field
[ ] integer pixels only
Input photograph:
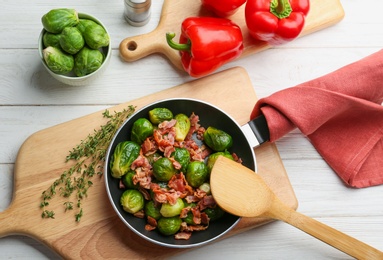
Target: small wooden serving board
[
  {"x": 100, "y": 234},
  {"x": 323, "y": 13}
]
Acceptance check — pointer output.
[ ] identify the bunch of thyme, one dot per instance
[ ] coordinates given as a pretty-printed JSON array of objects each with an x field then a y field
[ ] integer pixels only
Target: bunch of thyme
[{"x": 89, "y": 156}]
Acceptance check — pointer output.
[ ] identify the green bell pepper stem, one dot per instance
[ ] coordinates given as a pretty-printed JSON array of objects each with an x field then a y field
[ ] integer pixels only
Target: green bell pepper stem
[
  {"x": 280, "y": 8},
  {"x": 177, "y": 46}
]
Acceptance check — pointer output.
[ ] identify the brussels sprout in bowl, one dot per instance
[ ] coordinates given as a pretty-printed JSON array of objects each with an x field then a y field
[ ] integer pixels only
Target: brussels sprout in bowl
[
  {"x": 67, "y": 55},
  {"x": 196, "y": 174}
]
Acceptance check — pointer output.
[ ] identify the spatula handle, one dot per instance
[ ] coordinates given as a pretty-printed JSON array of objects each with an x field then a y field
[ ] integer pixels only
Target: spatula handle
[{"x": 329, "y": 235}]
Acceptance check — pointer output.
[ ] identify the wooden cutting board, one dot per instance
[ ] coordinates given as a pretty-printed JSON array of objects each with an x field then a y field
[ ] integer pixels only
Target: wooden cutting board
[
  {"x": 100, "y": 234},
  {"x": 323, "y": 13}
]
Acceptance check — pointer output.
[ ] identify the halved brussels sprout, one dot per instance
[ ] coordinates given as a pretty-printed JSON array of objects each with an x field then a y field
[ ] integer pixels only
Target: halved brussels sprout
[
  {"x": 182, "y": 156},
  {"x": 57, "y": 19},
  {"x": 213, "y": 157},
  {"x": 217, "y": 139},
  {"x": 163, "y": 169},
  {"x": 159, "y": 115},
  {"x": 132, "y": 201},
  {"x": 71, "y": 40},
  {"x": 87, "y": 61},
  {"x": 58, "y": 61},
  {"x": 169, "y": 226},
  {"x": 169, "y": 210},
  {"x": 196, "y": 173},
  {"x": 182, "y": 126},
  {"x": 142, "y": 128},
  {"x": 123, "y": 156}
]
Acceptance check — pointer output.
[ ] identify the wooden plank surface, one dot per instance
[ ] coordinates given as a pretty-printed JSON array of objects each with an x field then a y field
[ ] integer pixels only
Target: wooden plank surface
[
  {"x": 100, "y": 234},
  {"x": 323, "y": 13}
]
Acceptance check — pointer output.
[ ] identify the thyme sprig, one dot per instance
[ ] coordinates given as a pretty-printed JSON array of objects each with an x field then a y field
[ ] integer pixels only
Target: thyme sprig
[{"x": 89, "y": 156}]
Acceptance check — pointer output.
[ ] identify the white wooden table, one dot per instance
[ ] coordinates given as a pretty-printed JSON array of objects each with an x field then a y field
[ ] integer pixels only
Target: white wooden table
[{"x": 30, "y": 100}]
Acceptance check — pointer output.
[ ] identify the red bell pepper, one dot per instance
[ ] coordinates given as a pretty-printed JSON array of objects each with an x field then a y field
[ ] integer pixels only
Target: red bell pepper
[
  {"x": 276, "y": 21},
  {"x": 222, "y": 8},
  {"x": 206, "y": 43}
]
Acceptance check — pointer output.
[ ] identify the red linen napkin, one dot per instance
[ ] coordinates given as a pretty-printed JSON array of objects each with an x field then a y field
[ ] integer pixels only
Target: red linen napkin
[{"x": 341, "y": 114}]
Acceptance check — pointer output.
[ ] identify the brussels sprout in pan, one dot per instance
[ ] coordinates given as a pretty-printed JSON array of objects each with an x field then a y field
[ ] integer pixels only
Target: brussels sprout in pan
[
  {"x": 214, "y": 213},
  {"x": 123, "y": 156},
  {"x": 142, "y": 129},
  {"x": 205, "y": 187},
  {"x": 71, "y": 40},
  {"x": 169, "y": 210},
  {"x": 217, "y": 139},
  {"x": 132, "y": 201},
  {"x": 196, "y": 173},
  {"x": 127, "y": 180},
  {"x": 163, "y": 169},
  {"x": 58, "y": 61},
  {"x": 152, "y": 211},
  {"x": 169, "y": 226},
  {"x": 182, "y": 126},
  {"x": 159, "y": 115},
  {"x": 213, "y": 157},
  {"x": 182, "y": 156}
]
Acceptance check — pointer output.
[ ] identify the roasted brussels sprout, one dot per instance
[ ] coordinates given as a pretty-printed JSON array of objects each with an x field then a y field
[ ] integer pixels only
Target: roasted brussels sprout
[
  {"x": 94, "y": 34},
  {"x": 57, "y": 19},
  {"x": 169, "y": 210},
  {"x": 132, "y": 201},
  {"x": 58, "y": 61},
  {"x": 158, "y": 115},
  {"x": 213, "y": 157},
  {"x": 123, "y": 156},
  {"x": 51, "y": 39},
  {"x": 152, "y": 211},
  {"x": 153, "y": 157},
  {"x": 182, "y": 126},
  {"x": 189, "y": 218},
  {"x": 127, "y": 179},
  {"x": 196, "y": 173},
  {"x": 142, "y": 128},
  {"x": 217, "y": 139},
  {"x": 87, "y": 61},
  {"x": 182, "y": 156},
  {"x": 71, "y": 40},
  {"x": 163, "y": 169},
  {"x": 169, "y": 226},
  {"x": 214, "y": 213}
]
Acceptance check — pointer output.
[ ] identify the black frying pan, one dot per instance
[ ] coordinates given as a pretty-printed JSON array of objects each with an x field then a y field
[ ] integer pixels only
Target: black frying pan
[{"x": 209, "y": 116}]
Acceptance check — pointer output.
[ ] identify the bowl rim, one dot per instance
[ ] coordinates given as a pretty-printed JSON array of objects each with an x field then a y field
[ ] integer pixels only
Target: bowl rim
[
  {"x": 106, "y": 174},
  {"x": 76, "y": 78}
]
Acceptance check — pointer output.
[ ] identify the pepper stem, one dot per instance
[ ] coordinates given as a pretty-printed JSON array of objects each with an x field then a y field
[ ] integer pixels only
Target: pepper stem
[
  {"x": 177, "y": 46},
  {"x": 280, "y": 8}
]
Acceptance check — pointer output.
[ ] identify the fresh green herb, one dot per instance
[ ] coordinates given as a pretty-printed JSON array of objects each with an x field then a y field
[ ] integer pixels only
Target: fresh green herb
[
  {"x": 47, "y": 214},
  {"x": 89, "y": 156}
]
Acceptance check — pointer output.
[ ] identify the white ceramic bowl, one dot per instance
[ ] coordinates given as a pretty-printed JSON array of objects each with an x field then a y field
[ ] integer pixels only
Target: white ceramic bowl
[{"x": 72, "y": 79}]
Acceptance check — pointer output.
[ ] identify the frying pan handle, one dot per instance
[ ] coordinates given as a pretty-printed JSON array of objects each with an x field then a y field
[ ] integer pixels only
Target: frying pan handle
[{"x": 257, "y": 131}]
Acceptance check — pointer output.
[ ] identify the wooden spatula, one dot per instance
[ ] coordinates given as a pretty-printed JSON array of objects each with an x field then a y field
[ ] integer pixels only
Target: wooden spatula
[{"x": 240, "y": 191}]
